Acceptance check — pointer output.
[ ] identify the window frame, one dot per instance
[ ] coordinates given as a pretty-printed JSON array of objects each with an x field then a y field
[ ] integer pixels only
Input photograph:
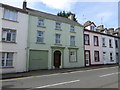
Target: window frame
[
  {"x": 72, "y": 28},
  {"x": 41, "y": 37},
  {"x": 41, "y": 22},
  {"x": 110, "y": 43},
  {"x": 72, "y": 42},
  {"x": 116, "y": 43},
  {"x": 57, "y": 39},
  {"x": 111, "y": 57},
  {"x": 97, "y": 57},
  {"x": 5, "y": 59},
  {"x": 72, "y": 56},
  {"x": 88, "y": 41},
  {"x": 58, "y": 26},
  {"x": 11, "y": 14},
  {"x": 6, "y": 32},
  {"x": 97, "y": 40}
]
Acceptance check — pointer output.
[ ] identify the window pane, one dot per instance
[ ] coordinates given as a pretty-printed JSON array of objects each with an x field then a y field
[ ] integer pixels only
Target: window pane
[{"x": 6, "y": 14}]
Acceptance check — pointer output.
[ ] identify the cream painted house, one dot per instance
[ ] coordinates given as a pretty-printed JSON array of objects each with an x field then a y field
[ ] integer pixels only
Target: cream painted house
[
  {"x": 53, "y": 42},
  {"x": 13, "y": 39}
]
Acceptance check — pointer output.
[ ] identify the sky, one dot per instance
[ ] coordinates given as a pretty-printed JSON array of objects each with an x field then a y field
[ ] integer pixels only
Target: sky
[{"x": 98, "y": 11}]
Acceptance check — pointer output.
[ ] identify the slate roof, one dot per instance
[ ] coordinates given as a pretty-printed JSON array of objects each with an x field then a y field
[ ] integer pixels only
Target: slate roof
[{"x": 53, "y": 17}]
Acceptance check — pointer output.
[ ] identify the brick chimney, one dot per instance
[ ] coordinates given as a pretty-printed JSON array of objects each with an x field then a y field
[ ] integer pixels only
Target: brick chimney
[{"x": 24, "y": 5}]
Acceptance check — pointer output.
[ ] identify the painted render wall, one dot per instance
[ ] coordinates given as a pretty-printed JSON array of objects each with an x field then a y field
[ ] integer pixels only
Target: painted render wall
[
  {"x": 19, "y": 48},
  {"x": 93, "y": 48},
  {"x": 49, "y": 41},
  {"x": 107, "y": 49}
]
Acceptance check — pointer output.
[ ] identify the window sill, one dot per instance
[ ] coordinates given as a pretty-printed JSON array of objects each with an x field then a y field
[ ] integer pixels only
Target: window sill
[
  {"x": 41, "y": 26},
  {"x": 72, "y": 32},
  {"x": 6, "y": 67},
  {"x": 96, "y": 45},
  {"x": 71, "y": 47},
  {"x": 40, "y": 43},
  {"x": 8, "y": 42},
  {"x": 58, "y": 29},
  {"x": 104, "y": 46},
  {"x": 72, "y": 61},
  {"x": 110, "y": 47},
  {"x": 87, "y": 44},
  {"x": 58, "y": 44},
  {"x": 10, "y": 20}
]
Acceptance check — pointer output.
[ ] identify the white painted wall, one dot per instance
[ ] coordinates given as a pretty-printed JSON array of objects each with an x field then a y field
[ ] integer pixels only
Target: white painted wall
[
  {"x": 19, "y": 48},
  {"x": 107, "y": 49}
]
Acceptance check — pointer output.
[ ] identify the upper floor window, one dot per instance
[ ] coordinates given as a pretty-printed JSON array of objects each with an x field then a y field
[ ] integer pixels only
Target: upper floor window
[
  {"x": 92, "y": 28},
  {"x": 110, "y": 43},
  {"x": 7, "y": 59},
  {"x": 57, "y": 39},
  {"x": 40, "y": 36},
  {"x": 103, "y": 41},
  {"x": 96, "y": 56},
  {"x": 40, "y": 22},
  {"x": 72, "y": 28},
  {"x": 72, "y": 40},
  {"x": 116, "y": 43},
  {"x": 58, "y": 25},
  {"x": 86, "y": 39},
  {"x": 8, "y": 35},
  {"x": 96, "y": 41},
  {"x": 9, "y": 14}
]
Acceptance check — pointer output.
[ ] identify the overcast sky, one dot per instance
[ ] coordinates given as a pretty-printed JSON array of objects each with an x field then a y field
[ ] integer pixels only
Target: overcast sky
[{"x": 99, "y": 11}]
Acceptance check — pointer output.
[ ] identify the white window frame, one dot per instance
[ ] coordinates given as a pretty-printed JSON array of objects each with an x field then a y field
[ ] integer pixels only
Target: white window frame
[
  {"x": 73, "y": 56},
  {"x": 72, "y": 28},
  {"x": 58, "y": 25},
  {"x": 86, "y": 39},
  {"x": 92, "y": 28},
  {"x": 5, "y": 33},
  {"x": 10, "y": 15},
  {"x": 110, "y": 43},
  {"x": 57, "y": 38},
  {"x": 72, "y": 40},
  {"x": 40, "y": 37},
  {"x": 41, "y": 22},
  {"x": 111, "y": 56},
  {"x": 7, "y": 60},
  {"x": 103, "y": 42}
]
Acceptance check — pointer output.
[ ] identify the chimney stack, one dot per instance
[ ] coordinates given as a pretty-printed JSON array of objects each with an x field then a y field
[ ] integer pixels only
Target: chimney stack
[
  {"x": 111, "y": 31},
  {"x": 24, "y": 5},
  {"x": 71, "y": 17}
]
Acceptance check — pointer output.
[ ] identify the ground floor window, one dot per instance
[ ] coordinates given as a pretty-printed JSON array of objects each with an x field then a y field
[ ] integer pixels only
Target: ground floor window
[
  {"x": 7, "y": 59},
  {"x": 96, "y": 56},
  {"x": 73, "y": 55},
  {"x": 111, "y": 57},
  {"x": 117, "y": 57}
]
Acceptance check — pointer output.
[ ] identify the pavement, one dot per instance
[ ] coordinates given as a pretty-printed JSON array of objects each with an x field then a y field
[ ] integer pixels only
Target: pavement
[
  {"x": 92, "y": 77},
  {"x": 47, "y": 72}
]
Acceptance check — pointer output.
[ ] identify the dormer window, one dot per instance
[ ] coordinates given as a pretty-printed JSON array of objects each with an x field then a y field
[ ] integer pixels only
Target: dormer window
[{"x": 92, "y": 28}]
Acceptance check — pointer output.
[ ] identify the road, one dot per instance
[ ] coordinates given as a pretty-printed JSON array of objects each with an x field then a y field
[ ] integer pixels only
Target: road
[{"x": 94, "y": 78}]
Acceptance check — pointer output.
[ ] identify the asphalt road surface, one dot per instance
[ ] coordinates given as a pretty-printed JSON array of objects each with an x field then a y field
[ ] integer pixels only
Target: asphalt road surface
[{"x": 94, "y": 78}]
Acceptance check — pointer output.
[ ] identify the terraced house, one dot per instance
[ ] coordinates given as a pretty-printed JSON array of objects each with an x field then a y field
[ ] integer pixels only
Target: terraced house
[
  {"x": 53, "y": 41},
  {"x": 101, "y": 46},
  {"x": 13, "y": 39}
]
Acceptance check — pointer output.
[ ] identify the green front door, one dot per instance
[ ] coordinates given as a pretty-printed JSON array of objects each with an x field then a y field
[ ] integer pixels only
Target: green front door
[{"x": 38, "y": 60}]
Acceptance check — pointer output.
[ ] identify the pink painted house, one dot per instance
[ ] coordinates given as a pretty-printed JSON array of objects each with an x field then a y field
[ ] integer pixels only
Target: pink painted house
[{"x": 92, "y": 45}]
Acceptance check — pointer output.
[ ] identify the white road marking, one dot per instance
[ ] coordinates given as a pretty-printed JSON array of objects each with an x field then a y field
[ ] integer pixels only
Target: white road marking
[
  {"x": 58, "y": 84},
  {"x": 108, "y": 74}
]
